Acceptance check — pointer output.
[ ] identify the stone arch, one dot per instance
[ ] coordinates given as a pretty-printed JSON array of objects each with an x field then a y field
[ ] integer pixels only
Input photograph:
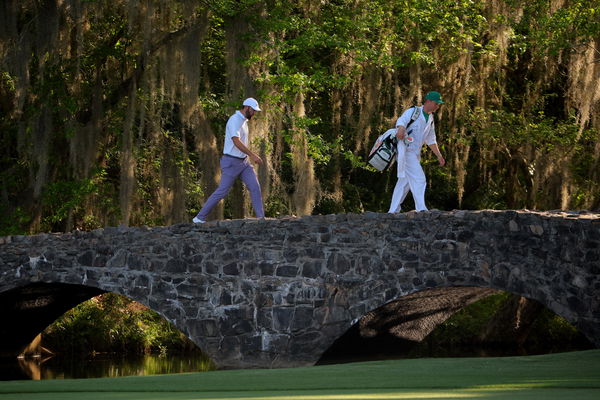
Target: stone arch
[
  {"x": 389, "y": 295},
  {"x": 27, "y": 310},
  {"x": 406, "y": 320},
  {"x": 31, "y": 308}
]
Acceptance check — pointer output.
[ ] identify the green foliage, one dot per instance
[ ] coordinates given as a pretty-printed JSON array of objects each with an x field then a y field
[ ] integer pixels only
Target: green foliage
[
  {"x": 63, "y": 197},
  {"x": 570, "y": 26},
  {"x": 464, "y": 327},
  {"x": 549, "y": 333},
  {"x": 13, "y": 222},
  {"x": 552, "y": 329},
  {"x": 66, "y": 200},
  {"x": 442, "y": 188},
  {"x": 515, "y": 150},
  {"x": 110, "y": 323}
]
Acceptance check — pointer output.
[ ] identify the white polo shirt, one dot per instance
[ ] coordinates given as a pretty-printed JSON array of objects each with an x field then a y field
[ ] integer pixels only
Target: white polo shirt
[
  {"x": 421, "y": 131},
  {"x": 237, "y": 126}
]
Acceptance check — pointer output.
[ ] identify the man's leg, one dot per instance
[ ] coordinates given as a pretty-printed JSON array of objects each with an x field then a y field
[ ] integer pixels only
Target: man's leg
[
  {"x": 229, "y": 173},
  {"x": 416, "y": 180},
  {"x": 400, "y": 192},
  {"x": 249, "y": 178}
]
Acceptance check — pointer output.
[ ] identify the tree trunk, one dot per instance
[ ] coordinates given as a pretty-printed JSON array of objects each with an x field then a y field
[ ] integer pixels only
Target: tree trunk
[
  {"x": 239, "y": 86},
  {"x": 304, "y": 174},
  {"x": 206, "y": 144},
  {"x": 127, "y": 178},
  {"x": 511, "y": 325}
]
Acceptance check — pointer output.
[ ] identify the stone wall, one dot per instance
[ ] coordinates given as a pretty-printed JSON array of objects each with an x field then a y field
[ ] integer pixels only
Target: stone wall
[{"x": 278, "y": 292}]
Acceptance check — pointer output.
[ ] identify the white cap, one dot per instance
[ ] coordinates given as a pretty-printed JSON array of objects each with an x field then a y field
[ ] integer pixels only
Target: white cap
[{"x": 251, "y": 102}]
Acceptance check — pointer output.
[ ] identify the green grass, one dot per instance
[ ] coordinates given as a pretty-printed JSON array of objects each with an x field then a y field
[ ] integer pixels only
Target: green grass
[{"x": 559, "y": 376}]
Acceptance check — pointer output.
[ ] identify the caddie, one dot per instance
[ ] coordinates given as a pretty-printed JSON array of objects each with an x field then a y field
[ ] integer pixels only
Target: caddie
[{"x": 410, "y": 173}]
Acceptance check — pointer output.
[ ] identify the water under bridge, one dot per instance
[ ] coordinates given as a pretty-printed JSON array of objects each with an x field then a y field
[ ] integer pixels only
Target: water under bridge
[{"x": 279, "y": 292}]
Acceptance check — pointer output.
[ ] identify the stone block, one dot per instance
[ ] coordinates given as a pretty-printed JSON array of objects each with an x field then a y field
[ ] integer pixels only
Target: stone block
[
  {"x": 251, "y": 269},
  {"x": 231, "y": 269},
  {"x": 175, "y": 265},
  {"x": 311, "y": 269},
  {"x": 301, "y": 342},
  {"x": 86, "y": 259},
  {"x": 250, "y": 344},
  {"x": 274, "y": 343},
  {"x": 230, "y": 348},
  {"x": 302, "y": 319},
  {"x": 287, "y": 271},
  {"x": 335, "y": 314},
  {"x": 338, "y": 263},
  {"x": 264, "y": 318},
  {"x": 266, "y": 269},
  {"x": 282, "y": 318},
  {"x": 225, "y": 299},
  {"x": 211, "y": 268},
  {"x": 290, "y": 254},
  {"x": 118, "y": 260},
  {"x": 235, "y": 327}
]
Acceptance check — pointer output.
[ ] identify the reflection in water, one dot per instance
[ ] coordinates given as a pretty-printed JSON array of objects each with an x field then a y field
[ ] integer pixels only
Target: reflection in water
[
  {"x": 32, "y": 367},
  {"x": 102, "y": 366}
]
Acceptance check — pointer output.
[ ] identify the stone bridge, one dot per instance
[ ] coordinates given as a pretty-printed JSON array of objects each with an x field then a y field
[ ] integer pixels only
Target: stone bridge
[{"x": 278, "y": 293}]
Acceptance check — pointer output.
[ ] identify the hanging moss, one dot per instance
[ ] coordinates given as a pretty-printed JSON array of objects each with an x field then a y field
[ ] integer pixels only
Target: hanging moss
[{"x": 142, "y": 91}]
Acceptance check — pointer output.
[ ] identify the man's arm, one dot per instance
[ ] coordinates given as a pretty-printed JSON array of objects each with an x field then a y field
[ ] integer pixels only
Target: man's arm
[
  {"x": 242, "y": 147},
  {"x": 434, "y": 147}
]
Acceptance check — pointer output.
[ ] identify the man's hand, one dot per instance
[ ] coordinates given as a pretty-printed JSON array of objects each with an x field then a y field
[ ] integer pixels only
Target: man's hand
[
  {"x": 401, "y": 133},
  {"x": 256, "y": 159},
  {"x": 436, "y": 150}
]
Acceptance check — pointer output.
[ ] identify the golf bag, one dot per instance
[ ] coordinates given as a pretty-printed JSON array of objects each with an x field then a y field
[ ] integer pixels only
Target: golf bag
[{"x": 383, "y": 153}]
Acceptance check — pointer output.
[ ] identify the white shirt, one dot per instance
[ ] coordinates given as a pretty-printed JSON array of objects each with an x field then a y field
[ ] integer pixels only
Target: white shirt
[
  {"x": 237, "y": 126},
  {"x": 421, "y": 131}
]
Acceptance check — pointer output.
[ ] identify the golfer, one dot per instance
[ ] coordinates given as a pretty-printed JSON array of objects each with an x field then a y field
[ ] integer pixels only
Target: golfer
[{"x": 235, "y": 164}]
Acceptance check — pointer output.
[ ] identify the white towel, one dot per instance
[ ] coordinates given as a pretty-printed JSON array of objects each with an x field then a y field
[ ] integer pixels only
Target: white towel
[{"x": 401, "y": 159}]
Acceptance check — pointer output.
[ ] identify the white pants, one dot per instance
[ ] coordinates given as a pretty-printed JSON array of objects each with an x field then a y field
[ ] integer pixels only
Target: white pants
[{"x": 414, "y": 180}]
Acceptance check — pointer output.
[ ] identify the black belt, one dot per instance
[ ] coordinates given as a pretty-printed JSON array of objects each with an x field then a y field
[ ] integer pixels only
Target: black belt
[{"x": 239, "y": 158}]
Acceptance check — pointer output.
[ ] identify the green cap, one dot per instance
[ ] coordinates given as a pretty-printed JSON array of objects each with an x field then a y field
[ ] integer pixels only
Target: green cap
[{"x": 434, "y": 96}]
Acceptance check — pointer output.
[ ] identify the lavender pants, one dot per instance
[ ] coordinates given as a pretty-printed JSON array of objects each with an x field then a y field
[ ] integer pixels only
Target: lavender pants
[{"x": 231, "y": 169}]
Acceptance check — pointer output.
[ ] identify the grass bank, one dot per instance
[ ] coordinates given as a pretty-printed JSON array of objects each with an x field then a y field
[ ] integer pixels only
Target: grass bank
[{"x": 559, "y": 376}]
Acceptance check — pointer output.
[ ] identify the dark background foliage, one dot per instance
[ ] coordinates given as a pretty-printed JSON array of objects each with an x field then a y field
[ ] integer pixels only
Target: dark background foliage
[{"x": 113, "y": 112}]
